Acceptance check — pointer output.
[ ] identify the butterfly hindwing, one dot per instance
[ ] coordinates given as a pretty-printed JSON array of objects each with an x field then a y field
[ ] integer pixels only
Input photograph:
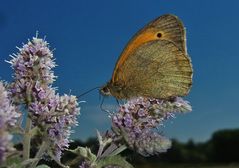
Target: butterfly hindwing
[{"x": 157, "y": 69}]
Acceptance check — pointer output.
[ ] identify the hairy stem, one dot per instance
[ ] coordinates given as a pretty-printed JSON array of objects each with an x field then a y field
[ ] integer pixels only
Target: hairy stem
[
  {"x": 118, "y": 150},
  {"x": 40, "y": 152},
  {"x": 101, "y": 148},
  {"x": 57, "y": 160},
  {"x": 27, "y": 139},
  {"x": 74, "y": 161}
]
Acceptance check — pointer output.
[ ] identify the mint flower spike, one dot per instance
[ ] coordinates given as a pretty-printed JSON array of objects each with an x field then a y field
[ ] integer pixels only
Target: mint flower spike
[
  {"x": 8, "y": 112},
  {"x": 32, "y": 66},
  {"x": 55, "y": 115},
  {"x": 135, "y": 123},
  {"x": 8, "y": 119},
  {"x": 60, "y": 129}
]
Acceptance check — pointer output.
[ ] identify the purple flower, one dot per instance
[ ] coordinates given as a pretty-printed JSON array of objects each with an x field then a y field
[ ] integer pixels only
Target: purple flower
[
  {"x": 150, "y": 143},
  {"x": 60, "y": 130},
  {"x": 141, "y": 112},
  {"x": 42, "y": 94},
  {"x": 135, "y": 123},
  {"x": 32, "y": 67},
  {"x": 8, "y": 118},
  {"x": 8, "y": 112},
  {"x": 54, "y": 114},
  {"x": 57, "y": 114},
  {"x": 84, "y": 164},
  {"x": 5, "y": 144},
  {"x": 128, "y": 120}
]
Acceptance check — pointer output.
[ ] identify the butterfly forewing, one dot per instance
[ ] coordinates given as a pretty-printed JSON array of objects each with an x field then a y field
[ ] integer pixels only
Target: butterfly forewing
[
  {"x": 167, "y": 27},
  {"x": 172, "y": 29}
]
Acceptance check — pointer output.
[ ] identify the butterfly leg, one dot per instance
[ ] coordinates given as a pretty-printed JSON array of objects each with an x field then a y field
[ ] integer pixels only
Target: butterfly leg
[{"x": 103, "y": 109}]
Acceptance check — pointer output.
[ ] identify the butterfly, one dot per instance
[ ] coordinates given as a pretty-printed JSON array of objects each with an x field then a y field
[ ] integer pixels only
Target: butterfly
[{"x": 154, "y": 63}]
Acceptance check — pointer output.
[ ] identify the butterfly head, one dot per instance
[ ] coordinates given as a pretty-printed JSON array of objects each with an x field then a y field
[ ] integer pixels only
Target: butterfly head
[
  {"x": 113, "y": 89},
  {"x": 105, "y": 90}
]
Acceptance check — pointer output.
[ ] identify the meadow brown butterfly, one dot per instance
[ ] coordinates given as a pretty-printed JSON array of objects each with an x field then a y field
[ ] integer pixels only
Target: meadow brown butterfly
[{"x": 154, "y": 63}]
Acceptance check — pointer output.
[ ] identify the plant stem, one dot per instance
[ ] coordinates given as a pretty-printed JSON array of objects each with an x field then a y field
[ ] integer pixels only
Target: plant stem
[
  {"x": 27, "y": 139},
  {"x": 118, "y": 150},
  {"x": 57, "y": 160},
  {"x": 40, "y": 152},
  {"x": 74, "y": 161},
  {"x": 101, "y": 148}
]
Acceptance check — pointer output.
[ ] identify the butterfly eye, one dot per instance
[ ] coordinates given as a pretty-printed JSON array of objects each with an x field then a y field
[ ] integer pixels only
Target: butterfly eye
[
  {"x": 159, "y": 35},
  {"x": 105, "y": 91}
]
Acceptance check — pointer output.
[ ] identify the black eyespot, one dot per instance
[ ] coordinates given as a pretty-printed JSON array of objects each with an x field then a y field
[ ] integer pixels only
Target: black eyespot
[{"x": 159, "y": 35}]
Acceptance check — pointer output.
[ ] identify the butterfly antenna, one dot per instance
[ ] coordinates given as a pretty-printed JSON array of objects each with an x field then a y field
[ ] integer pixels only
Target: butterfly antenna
[
  {"x": 87, "y": 92},
  {"x": 100, "y": 97}
]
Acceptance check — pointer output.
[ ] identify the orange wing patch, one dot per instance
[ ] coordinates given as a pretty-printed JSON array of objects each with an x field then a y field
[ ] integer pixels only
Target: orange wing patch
[{"x": 142, "y": 38}]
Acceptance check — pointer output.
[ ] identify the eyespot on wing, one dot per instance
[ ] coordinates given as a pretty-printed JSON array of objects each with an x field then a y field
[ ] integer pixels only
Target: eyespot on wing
[{"x": 167, "y": 27}]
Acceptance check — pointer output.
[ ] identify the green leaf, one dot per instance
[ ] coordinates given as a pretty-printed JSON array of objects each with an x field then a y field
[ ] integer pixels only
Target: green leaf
[
  {"x": 14, "y": 162},
  {"x": 43, "y": 166},
  {"x": 114, "y": 160},
  {"x": 100, "y": 139},
  {"x": 85, "y": 153},
  {"x": 35, "y": 131}
]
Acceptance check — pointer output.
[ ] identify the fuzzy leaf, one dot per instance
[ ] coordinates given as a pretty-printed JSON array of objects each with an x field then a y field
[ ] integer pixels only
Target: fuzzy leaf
[
  {"x": 113, "y": 161},
  {"x": 84, "y": 152},
  {"x": 35, "y": 131},
  {"x": 13, "y": 162},
  {"x": 99, "y": 137}
]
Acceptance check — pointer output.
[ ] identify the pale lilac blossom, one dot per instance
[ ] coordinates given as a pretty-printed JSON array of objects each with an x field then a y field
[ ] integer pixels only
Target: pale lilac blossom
[
  {"x": 8, "y": 119},
  {"x": 84, "y": 164},
  {"x": 54, "y": 114},
  {"x": 135, "y": 123}
]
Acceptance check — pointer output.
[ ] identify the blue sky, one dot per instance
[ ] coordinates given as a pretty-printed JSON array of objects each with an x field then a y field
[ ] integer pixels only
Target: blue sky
[{"x": 90, "y": 35}]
